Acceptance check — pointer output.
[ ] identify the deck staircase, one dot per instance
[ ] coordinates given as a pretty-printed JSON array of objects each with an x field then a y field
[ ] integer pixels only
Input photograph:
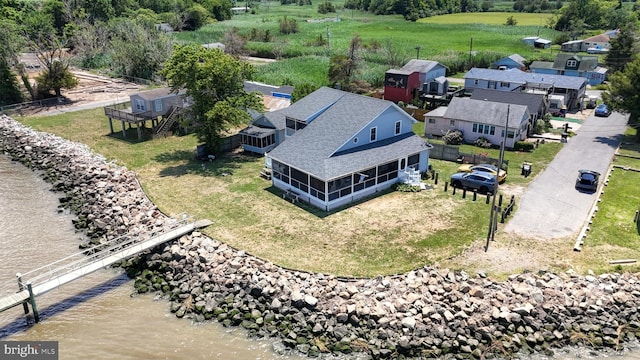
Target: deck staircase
[{"x": 167, "y": 122}]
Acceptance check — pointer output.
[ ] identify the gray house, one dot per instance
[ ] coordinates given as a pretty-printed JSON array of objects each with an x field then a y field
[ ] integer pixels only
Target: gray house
[
  {"x": 154, "y": 103},
  {"x": 536, "y": 103},
  {"x": 572, "y": 88},
  {"x": 479, "y": 118},
  {"x": 341, "y": 147},
  {"x": 513, "y": 61},
  {"x": 158, "y": 106}
]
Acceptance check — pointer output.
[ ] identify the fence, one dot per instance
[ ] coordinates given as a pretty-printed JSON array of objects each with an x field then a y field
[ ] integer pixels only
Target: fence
[
  {"x": 43, "y": 103},
  {"x": 452, "y": 153}
]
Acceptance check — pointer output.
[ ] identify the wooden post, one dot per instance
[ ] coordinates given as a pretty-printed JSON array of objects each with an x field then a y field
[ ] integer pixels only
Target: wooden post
[
  {"x": 500, "y": 200},
  {"x": 436, "y": 179},
  {"x": 475, "y": 195},
  {"x": 445, "y": 186},
  {"x": 124, "y": 129},
  {"x": 21, "y": 287},
  {"x": 488, "y": 197},
  {"x": 32, "y": 299}
]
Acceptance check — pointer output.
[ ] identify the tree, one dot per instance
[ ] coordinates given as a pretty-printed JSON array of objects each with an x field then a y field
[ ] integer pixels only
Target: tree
[
  {"x": 623, "y": 91},
  {"x": 214, "y": 80},
  {"x": 343, "y": 67},
  {"x": 55, "y": 77},
  {"x": 233, "y": 42},
  {"x": 9, "y": 90},
  {"x": 138, "y": 51},
  {"x": 623, "y": 47}
]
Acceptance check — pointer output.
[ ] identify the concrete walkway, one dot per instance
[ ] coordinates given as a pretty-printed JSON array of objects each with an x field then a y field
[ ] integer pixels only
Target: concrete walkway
[{"x": 551, "y": 207}]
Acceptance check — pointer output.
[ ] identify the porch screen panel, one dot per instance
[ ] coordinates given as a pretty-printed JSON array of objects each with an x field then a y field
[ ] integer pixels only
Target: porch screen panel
[
  {"x": 387, "y": 171},
  {"x": 280, "y": 171},
  {"x": 317, "y": 188},
  {"x": 364, "y": 179},
  {"x": 414, "y": 161},
  {"x": 299, "y": 180},
  {"x": 339, "y": 187}
]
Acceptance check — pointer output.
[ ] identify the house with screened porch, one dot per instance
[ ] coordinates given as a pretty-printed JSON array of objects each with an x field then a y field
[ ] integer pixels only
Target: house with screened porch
[{"x": 341, "y": 147}]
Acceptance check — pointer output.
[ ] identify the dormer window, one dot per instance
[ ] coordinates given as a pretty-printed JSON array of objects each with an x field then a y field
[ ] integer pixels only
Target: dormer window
[
  {"x": 373, "y": 134},
  {"x": 571, "y": 63},
  {"x": 398, "y": 127}
]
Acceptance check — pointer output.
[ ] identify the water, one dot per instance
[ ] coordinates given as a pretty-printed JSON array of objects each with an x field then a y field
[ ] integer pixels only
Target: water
[{"x": 95, "y": 316}]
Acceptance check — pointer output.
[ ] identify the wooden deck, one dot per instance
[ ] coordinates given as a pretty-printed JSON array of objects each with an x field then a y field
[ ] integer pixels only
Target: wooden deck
[{"x": 12, "y": 300}]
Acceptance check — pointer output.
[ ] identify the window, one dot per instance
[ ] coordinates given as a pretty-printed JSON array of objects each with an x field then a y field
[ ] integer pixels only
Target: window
[
  {"x": 317, "y": 188},
  {"x": 484, "y": 129},
  {"x": 373, "y": 134},
  {"x": 432, "y": 121},
  {"x": 157, "y": 105},
  {"x": 387, "y": 171},
  {"x": 504, "y": 84},
  {"x": 510, "y": 134},
  {"x": 572, "y": 63},
  {"x": 139, "y": 104},
  {"x": 492, "y": 85},
  {"x": 398, "y": 127},
  {"x": 452, "y": 123},
  {"x": 355, "y": 140},
  {"x": 476, "y": 82}
]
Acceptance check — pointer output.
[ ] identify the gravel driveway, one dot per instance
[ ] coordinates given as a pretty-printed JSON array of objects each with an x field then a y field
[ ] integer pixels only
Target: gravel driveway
[{"x": 551, "y": 207}]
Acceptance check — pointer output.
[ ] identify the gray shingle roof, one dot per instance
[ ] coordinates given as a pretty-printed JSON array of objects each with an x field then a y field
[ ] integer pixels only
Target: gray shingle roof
[
  {"x": 155, "y": 93},
  {"x": 313, "y": 150},
  {"x": 586, "y": 62},
  {"x": 313, "y": 103},
  {"x": 423, "y": 66},
  {"x": 267, "y": 89},
  {"x": 485, "y": 112},
  {"x": 518, "y": 76},
  {"x": 531, "y": 100}
]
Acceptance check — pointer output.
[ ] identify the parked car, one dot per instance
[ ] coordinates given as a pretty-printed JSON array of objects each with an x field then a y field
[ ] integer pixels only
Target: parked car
[
  {"x": 481, "y": 181},
  {"x": 602, "y": 110},
  {"x": 488, "y": 168},
  {"x": 587, "y": 180}
]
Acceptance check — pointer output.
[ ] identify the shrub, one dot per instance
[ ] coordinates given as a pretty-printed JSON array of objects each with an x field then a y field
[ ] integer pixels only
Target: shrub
[
  {"x": 523, "y": 146},
  {"x": 288, "y": 26},
  {"x": 511, "y": 21},
  {"x": 453, "y": 137},
  {"x": 406, "y": 187},
  {"x": 326, "y": 7},
  {"x": 483, "y": 142}
]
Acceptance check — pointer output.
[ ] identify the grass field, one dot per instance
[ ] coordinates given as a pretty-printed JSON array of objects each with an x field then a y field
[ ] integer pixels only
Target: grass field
[
  {"x": 490, "y": 18},
  {"x": 445, "y": 38}
]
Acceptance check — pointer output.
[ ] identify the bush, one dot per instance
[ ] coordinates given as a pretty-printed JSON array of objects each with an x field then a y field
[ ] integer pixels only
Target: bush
[
  {"x": 288, "y": 26},
  {"x": 453, "y": 137},
  {"x": 523, "y": 146},
  {"x": 406, "y": 187},
  {"x": 483, "y": 142},
  {"x": 326, "y": 7}
]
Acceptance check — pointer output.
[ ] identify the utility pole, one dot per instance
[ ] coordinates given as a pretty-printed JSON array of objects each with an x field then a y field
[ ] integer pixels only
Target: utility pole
[
  {"x": 470, "y": 51},
  {"x": 493, "y": 216},
  {"x": 418, "y": 51}
]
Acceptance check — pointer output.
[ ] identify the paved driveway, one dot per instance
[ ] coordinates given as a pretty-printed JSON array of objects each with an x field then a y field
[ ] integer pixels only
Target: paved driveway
[{"x": 551, "y": 207}]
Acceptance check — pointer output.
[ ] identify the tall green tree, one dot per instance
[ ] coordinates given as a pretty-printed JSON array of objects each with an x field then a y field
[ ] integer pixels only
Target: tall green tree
[
  {"x": 214, "y": 80},
  {"x": 623, "y": 48},
  {"x": 9, "y": 90},
  {"x": 623, "y": 91},
  {"x": 342, "y": 68},
  {"x": 138, "y": 49}
]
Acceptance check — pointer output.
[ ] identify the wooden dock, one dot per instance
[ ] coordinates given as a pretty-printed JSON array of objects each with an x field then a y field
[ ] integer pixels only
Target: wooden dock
[{"x": 46, "y": 278}]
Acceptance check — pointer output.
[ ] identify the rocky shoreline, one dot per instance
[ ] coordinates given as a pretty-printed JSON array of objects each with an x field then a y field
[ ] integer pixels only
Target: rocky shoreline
[{"x": 428, "y": 312}]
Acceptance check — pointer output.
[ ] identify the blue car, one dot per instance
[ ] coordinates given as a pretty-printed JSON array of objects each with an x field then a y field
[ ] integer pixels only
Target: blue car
[
  {"x": 602, "y": 110},
  {"x": 482, "y": 182}
]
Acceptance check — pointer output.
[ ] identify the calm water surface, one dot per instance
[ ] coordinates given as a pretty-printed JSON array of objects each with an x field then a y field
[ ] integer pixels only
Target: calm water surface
[{"x": 95, "y": 317}]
